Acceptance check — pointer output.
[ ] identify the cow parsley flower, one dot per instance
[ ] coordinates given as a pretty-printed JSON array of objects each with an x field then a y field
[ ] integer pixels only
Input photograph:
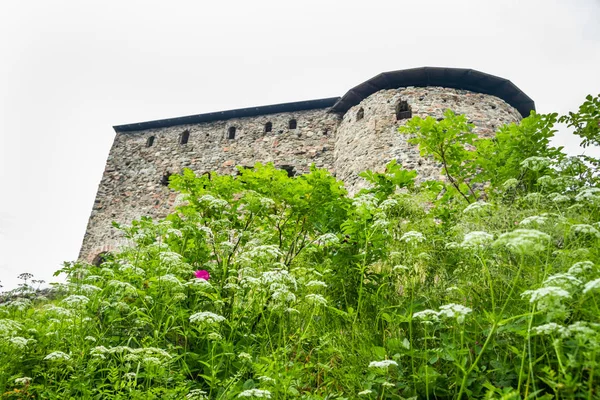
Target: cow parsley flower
[
  {"x": 510, "y": 184},
  {"x": 196, "y": 394},
  {"x": 206, "y": 318},
  {"x": 534, "y": 197},
  {"x": 412, "y": 237},
  {"x": 367, "y": 200},
  {"x": 585, "y": 229},
  {"x": 427, "y": 315},
  {"x": 524, "y": 241},
  {"x": 256, "y": 393},
  {"x": 316, "y": 299},
  {"x": 19, "y": 341},
  {"x": 476, "y": 239},
  {"x": 534, "y": 219},
  {"x": 591, "y": 285},
  {"x": 245, "y": 356},
  {"x": 590, "y": 194},
  {"x": 548, "y": 298},
  {"x": 266, "y": 379},
  {"x": 169, "y": 279},
  {"x": 57, "y": 356},
  {"x": 551, "y": 328},
  {"x": 316, "y": 284},
  {"x": 562, "y": 280},
  {"x": 131, "y": 269},
  {"x": 23, "y": 381},
  {"x": 212, "y": 202},
  {"x": 558, "y": 198},
  {"x": 8, "y": 327},
  {"x": 580, "y": 267},
  {"x": 454, "y": 311},
  {"x": 476, "y": 207},
  {"x": 365, "y": 392},
  {"x": 535, "y": 163},
  {"x": 89, "y": 289},
  {"x": 57, "y": 311},
  {"x": 382, "y": 364},
  {"x": 76, "y": 300}
]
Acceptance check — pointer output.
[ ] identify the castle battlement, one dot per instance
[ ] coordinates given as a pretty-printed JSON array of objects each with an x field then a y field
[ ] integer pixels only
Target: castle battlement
[{"x": 345, "y": 135}]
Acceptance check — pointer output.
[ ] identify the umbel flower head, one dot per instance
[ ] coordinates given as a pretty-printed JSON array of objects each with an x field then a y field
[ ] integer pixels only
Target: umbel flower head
[{"x": 202, "y": 274}]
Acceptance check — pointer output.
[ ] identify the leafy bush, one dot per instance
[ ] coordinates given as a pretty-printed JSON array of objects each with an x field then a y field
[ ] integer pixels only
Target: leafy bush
[{"x": 265, "y": 286}]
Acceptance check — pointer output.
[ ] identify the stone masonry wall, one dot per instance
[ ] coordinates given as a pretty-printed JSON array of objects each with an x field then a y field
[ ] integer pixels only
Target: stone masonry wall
[
  {"x": 133, "y": 183},
  {"x": 373, "y": 141},
  {"x": 131, "y": 186}
]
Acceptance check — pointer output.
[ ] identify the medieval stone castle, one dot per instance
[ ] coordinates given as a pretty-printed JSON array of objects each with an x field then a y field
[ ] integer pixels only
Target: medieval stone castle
[{"x": 345, "y": 135}]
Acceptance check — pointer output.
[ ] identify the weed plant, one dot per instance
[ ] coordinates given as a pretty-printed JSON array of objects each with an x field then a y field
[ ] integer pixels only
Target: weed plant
[{"x": 483, "y": 285}]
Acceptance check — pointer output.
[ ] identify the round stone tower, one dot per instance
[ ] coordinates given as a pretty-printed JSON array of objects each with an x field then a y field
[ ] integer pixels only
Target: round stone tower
[{"x": 368, "y": 138}]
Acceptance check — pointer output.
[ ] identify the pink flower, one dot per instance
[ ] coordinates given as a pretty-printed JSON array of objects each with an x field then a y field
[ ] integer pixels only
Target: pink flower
[{"x": 202, "y": 274}]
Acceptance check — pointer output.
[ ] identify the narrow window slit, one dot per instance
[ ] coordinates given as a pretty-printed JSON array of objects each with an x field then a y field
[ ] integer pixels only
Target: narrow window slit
[
  {"x": 231, "y": 132},
  {"x": 150, "y": 141},
  {"x": 292, "y": 124},
  {"x": 403, "y": 110},
  {"x": 268, "y": 127},
  {"x": 360, "y": 114},
  {"x": 185, "y": 136}
]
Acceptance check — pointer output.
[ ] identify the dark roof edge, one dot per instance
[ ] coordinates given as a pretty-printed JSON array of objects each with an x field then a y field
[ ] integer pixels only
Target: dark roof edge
[
  {"x": 456, "y": 78},
  {"x": 224, "y": 115}
]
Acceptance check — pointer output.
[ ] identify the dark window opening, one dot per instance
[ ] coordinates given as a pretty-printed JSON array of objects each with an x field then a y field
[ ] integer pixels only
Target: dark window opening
[
  {"x": 325, "y": 131},
  {"x": 100, "y": 258},
  {"x": 165, "y": 179},
  {"x": 268, "y": 127},
  {"x": 150, "y": 141},
  {"x": 293, "y": 124},
  {"x": 360, "y": 114},
  {"x": 185, "y": 136},
  {"x": 403, "y": 110},
  {"x": 289, "y": 169},
  {"x": 231, "y": 132}
]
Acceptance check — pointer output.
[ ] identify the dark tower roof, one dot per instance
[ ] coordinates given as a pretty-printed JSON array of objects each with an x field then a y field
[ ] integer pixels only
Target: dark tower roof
[{"x": 456, "y": 78}]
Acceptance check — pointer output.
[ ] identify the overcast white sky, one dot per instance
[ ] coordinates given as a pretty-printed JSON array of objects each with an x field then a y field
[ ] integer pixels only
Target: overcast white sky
[{"x": 70, "y": 70}]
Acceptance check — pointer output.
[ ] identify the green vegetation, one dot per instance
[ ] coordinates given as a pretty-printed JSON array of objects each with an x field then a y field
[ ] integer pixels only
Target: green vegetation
[{"x": 485, "y": 285}]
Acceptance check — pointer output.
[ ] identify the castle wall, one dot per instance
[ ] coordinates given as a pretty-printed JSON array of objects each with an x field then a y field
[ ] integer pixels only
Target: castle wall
[
  {"x": 131, "y": 186},
  {"x": 134, "y": 180},
  {"x": 373, "y": 141}
]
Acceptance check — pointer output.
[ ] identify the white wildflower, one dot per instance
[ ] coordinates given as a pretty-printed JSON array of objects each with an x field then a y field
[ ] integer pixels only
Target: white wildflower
[
  {"x": 585, "y": 229},
  {"x": 245, "y": 356},
  {"x": 19, "y": 304},
  {"x": 476, "y": 239},
  {"x": 412, "y": 237},
  {"x": 124, "y": 287},
  {"x": 548, "y": 299},
  {"x": 551, "y": 328},
  {"x": 174, "y": 232},
  {"x": 454, "y": 311},
  {"x": 196, "y": 394},
  {"x": 131, "y": 269},
  {"x": 212, "y": 202},
  {"x": 545, "y": 180},
  {"x": 8, "y": 327},
  {"x": 534, "y": 219},
  {"x": 93, "y": 278},
  {"x": 382, "y": 364},
  {"x": 591, "y": 285},
  {"x": 266, "y": 379},
  {"x": 57, "y": 311},
  {"x": 590, "y": 194},
  {"x": 23, "y": 381},
  {"x": 89, "y": 289},
  {"x": 265, "y": 251},
  {"x": 169, "y": 279},
  {"x": 510, "y": 183},
  {"x": 90, "y": 339},
  {"x": 524, "y": 240},
  {"x": 535, "y": 163},
  {"x": 283, "y": 295},
  {"x": 365, "y": 392},
  {"x": 388, "y": 204},
  {"x": 476, "y": 207},
  {"x": 18, "y": 341},
  {"x": 387, "y": 384},
  {"x": 580, "y": 267},
  {"x": 558, "y": 198},
  {"x": 584, "y": 331},
  {"x": 367, "y": 200},
  {"x": 231, "y": 286},
  {"x": 206, "y": 318},
  {"x": 381, "y": 224},
  {"x": 150, "y": 361},
  {"x": 533, "y": 197},
  {"x": 398, "y": 268},
  {"x": 562, "y": 280},
  {"x": 57, "y": 356},
  {"x": 315, "y": 284},
  {"x": 130, "y": 376},
  {"x": 257, "y": 393},
  {"x": 76, "y": 300},
  {"x": 426, "y": 315},
  {"x": 316, "y": 299}
]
